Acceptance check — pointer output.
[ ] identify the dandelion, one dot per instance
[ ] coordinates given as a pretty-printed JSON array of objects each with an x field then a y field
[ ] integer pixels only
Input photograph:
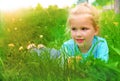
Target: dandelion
[
  {"x": 74, "y": 58},
  {"x": 70, "y": 59},
  {"x": 30, "y": 46},
  {"x": 71, "y": 62},
  {"x": 15, "y": 28},
  {"x": 78, "y": 58},
  {"x": 41, "y": 36},
  {"x": 11, "y": 45},
  {"x": 40, "y": 46},
  {"x": 20, "y": 48},
  {"x": 115, "y": 23}
]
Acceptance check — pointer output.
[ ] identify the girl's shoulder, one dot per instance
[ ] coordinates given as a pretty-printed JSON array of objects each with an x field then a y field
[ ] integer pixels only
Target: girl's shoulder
[
  {"x": 69, "y": 42},
  {"x": 99, "y": 39},
  {"x": 99, "y": 43}
]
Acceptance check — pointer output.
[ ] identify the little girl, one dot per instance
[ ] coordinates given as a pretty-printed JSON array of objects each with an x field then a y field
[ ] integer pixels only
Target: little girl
[{"x": 84, "y": 42}]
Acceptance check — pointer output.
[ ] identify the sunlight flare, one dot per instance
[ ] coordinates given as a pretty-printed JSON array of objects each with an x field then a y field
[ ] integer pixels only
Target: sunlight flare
[{"x": 10, "y": 5}]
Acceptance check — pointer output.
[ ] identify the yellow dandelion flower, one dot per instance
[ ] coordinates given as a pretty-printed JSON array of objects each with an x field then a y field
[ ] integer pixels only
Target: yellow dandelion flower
[
  {"x": 71, "y": 59},
  {"x": 20, "y": 48},
  {"x": 78, "y": 58},
  {"x": 115, "y": 23},
  {"x": 15, "y": 28},
  {"x": 11, "y": 45},
  {"x": 71, "y": 62},
  {"x": 41, "y": 36}
]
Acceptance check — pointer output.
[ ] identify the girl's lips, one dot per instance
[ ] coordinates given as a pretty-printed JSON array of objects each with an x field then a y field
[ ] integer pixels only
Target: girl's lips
[{"x": 79, "y": 40}]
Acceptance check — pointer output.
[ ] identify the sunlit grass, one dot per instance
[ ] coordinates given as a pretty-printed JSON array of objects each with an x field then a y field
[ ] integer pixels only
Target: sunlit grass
[{"x": 40, "y": 28}]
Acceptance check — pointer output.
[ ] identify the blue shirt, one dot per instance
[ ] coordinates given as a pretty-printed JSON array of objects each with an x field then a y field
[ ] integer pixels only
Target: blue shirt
[{"x": 99, "y": 49}]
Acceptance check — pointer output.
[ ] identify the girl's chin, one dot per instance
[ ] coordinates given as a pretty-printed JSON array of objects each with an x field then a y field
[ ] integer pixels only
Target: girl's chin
[{"x": 81, "y": 44}]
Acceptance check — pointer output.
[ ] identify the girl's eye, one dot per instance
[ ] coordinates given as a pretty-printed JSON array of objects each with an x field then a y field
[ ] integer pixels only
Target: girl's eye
[
  {"x": 73, "y": 28},
  {"x": 84, "y": 28}
]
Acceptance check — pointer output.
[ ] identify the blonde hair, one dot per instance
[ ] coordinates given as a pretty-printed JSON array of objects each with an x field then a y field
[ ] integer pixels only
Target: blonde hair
[{"x": 84, "y": 9}]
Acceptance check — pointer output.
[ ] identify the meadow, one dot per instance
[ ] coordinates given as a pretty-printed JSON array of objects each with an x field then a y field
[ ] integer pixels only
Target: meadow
[{"x": 47, "y": 26}]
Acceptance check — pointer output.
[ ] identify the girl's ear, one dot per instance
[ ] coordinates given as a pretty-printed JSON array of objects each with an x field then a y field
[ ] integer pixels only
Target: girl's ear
[{"x": 97, "y": 30}]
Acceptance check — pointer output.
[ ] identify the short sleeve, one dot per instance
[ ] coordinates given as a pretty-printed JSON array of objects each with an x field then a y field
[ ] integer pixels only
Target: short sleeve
[{"x": 103, "y": 51}]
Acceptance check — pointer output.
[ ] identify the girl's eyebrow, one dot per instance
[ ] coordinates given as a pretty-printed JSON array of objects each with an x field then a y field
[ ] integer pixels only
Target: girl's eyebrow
[{"x": 73, "y": 26}]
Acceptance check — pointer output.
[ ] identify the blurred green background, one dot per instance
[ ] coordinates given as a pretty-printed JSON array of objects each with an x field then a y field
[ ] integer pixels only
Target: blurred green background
[{"x": 47, "y": 26}]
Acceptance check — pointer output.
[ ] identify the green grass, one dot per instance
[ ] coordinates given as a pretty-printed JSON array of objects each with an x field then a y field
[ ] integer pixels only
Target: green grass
[
  {"x": 110, "y": 30},
  {"x": 22, "y": 29}
]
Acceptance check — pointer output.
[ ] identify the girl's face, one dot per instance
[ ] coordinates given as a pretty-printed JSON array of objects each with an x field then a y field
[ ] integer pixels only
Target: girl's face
[{"x": 82, "y": 30}]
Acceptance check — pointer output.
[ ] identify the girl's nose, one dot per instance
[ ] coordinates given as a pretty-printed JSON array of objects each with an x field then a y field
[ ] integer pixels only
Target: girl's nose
[{"x": 79, "y": 33}]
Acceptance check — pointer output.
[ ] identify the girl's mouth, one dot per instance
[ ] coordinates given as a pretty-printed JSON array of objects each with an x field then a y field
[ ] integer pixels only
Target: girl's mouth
[{"x": 80, "y": 40}]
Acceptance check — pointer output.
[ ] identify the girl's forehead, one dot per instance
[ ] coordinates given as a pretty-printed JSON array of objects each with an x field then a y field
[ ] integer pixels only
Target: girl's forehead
[
  {"x": 85, "y": 18},
  {"x": 81, "y": 10},
  {"x": 81, "y": 20}
]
